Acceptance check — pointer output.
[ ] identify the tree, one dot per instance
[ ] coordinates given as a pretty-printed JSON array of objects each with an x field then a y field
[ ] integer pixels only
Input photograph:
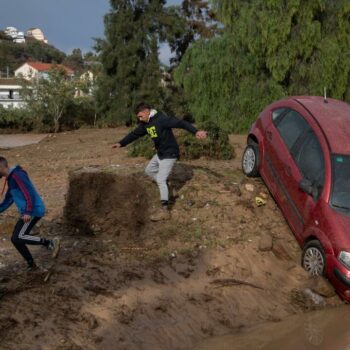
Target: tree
[
  {"x": 129, "y": 56},
  {"x": 47, "y": 98},
  {"x": 269, "y": 49},
  {"x": 192, "y": 20},
  {"x": 75, "y": 60}
]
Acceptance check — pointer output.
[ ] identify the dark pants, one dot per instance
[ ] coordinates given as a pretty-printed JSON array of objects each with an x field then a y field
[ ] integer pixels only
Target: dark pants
[{"x": 21, "y": 236}]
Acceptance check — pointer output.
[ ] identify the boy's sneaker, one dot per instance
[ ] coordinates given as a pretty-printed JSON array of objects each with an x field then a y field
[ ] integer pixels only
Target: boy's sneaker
[
  {"x": 54, "y": 246},
  {"x": 31, "y": 267}
]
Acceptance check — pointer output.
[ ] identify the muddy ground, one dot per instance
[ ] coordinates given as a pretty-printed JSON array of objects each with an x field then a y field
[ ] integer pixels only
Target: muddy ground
[{"x": 220, "y": 265}]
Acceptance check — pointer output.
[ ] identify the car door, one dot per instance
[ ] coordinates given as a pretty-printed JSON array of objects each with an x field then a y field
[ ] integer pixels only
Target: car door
[
  {"x": 310, "y": 161},
  {"x": 286, "y": 130},
  {"x": 272, "y": 141}
]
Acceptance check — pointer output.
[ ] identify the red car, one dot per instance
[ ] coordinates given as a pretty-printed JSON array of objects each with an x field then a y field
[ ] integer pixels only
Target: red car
[{"x": 301, "y": 148}]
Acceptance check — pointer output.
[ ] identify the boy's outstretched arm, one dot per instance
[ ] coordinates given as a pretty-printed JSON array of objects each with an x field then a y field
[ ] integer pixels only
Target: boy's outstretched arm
[
  {"x": 140, "y": 131},
  {"x": 7, "y": 202},
  {"x": 173, "y": 122}
]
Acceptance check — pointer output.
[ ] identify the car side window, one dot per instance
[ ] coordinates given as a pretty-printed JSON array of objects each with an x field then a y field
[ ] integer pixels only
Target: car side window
[
  {"x": 277, "y": 114},
  {"x": 291, "y": 127},
  {"x": 310, "y": 159}
]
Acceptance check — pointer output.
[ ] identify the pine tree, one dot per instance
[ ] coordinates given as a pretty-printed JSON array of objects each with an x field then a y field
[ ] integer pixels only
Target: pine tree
[{"x": 129, "y": 55}]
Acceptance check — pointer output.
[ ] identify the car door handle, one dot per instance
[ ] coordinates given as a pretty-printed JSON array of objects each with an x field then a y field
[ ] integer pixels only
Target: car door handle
[
  {"x": 288, "y": 170},
  {"x": 269, "y": 135}
]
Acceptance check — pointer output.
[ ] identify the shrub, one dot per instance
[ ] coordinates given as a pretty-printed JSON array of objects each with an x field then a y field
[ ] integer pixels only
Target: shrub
[
  {"x": 216, "y": 146},
  {"x": 79, "y": 112},
  {"x": 142, "y": 148},
  {"x": 17, "y": 119}
]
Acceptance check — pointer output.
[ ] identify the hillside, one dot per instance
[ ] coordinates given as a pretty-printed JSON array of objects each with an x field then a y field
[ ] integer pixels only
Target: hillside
[{"x": 12, "y": 55}]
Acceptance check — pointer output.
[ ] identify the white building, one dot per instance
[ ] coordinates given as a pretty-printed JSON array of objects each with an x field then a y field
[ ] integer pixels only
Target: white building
[
  {"x": 11, "y": 31},
  {"x": 18, "y": 37},
  {"x": 10, "y": 96},
  {"x": 36, "y": 70},
  {"x": 87, "y": 77},
  {"x": 37, "y": 34}
]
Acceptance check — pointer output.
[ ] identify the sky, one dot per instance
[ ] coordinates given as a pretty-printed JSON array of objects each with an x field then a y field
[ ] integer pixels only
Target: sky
[{"x": 67, "y": 24}]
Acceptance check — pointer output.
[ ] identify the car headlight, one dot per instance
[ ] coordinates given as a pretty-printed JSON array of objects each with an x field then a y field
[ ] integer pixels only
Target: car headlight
[{"x": 344, "y": 258}]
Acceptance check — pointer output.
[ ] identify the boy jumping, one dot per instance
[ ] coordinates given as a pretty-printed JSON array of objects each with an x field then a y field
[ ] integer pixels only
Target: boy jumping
[
  {"x": 159, "y": 127},
  {"x": 31, "y": 207}
]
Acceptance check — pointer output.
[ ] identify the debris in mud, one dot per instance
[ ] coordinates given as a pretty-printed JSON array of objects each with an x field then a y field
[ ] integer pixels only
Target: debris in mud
[
  {"x": 307, "y": 299},
  {"x": 260, "y": 201},
  {"x": 227, "y": 282},
  {"x": 322, "y": 287},
  {"x": 249, "y": 187},
  {"x": 314, "y": 297},
  {"x": 125, "y": 315}
]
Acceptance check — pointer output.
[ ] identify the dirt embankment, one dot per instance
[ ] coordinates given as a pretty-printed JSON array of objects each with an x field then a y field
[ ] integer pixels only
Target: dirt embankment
[{"x": 221, "y": 263}]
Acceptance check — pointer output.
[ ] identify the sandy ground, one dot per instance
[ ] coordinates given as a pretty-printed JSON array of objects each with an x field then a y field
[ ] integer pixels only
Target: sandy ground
[{"x": 152, "y": 285}]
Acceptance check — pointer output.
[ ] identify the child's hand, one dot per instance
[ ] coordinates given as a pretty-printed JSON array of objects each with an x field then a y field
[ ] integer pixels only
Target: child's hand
[
  {"x": 116, "y": 145},
  {"x": 26, "y": 218},
  {"x": 201, "y": 134}
]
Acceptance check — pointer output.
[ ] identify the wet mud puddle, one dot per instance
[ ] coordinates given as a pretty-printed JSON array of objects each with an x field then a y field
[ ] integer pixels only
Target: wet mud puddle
[{"x": 321, "y": 330}]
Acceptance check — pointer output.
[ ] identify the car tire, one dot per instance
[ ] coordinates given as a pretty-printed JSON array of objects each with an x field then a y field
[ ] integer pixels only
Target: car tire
[
  {"x": 314, "y": 258},
  {"x": 250, "y": 161}
]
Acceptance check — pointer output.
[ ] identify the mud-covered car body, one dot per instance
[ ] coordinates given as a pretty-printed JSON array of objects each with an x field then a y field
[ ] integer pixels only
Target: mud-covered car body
[{"x": 302, "y": 152}]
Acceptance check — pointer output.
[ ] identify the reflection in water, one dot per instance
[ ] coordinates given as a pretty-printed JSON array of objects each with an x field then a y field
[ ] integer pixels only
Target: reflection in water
[{"x": 321, "y": 330}]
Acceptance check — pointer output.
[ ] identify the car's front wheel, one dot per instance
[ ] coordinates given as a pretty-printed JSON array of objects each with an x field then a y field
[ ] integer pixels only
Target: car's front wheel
[
  {"x": 314, "y": 258},
  {"x": 250, "y": 161}
]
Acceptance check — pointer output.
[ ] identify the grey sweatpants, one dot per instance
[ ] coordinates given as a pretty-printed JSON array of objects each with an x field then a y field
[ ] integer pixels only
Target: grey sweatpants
[{"x": 159, "y": 170}]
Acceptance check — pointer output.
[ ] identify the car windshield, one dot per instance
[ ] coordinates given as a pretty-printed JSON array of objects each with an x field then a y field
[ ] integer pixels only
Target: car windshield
[{"x": 341, "y": 182}]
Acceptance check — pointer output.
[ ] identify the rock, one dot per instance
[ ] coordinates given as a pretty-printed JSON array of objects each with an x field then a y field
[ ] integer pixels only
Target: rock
[
  {"x": 58, "y": 221},
  {"x": 263, "y": 195},
  {"x": 321, "y": 286},
  {"x": 249, "y": 187},
  {"x": 265, "y": 243},
  {"x": 314, "y": 298}
]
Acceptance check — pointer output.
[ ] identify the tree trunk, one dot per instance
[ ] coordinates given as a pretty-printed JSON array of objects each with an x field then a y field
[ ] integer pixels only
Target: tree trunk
[{"x": 57, "y": 126}]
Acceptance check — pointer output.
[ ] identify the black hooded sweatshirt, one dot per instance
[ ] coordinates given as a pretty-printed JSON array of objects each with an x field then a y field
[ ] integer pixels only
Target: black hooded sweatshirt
[{"x": 159, "y": 128}]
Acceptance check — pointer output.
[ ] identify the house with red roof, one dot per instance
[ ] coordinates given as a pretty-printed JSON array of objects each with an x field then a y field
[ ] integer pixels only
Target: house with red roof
[{"x": 36, "y": 70}]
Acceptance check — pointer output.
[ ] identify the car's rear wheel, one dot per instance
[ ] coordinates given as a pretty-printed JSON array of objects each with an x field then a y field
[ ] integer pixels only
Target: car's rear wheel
[
  {"x": 314, "y": 258},
  {"x": 250, "y": 160}
]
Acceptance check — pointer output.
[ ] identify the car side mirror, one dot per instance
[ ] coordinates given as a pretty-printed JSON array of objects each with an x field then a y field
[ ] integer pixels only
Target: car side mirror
[{"x": 307, "y": 186}]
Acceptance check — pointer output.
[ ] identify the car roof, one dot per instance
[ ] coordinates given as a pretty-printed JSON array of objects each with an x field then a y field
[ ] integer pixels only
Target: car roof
[{"x": 333, "y": 118}]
